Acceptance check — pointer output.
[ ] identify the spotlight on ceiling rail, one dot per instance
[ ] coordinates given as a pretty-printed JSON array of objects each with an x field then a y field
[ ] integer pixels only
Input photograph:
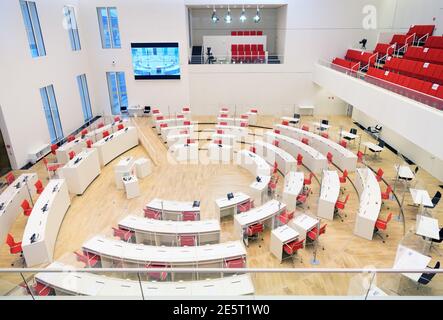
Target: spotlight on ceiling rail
[
  {"x": 243, "y": 15},
  {"x": 228, "y": 17},
  {"x": 257, "y": 17},
  {"x": 214, "y": 16}
]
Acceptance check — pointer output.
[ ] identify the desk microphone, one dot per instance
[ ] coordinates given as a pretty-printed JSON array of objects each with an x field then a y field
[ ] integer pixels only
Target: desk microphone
[
  {"x": 2, "y": 205},
  {"x": 33, "y": 238},
  {"x": 45, "y": 208}
]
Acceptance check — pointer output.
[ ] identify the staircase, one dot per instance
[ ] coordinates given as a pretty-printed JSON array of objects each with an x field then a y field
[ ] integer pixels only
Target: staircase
[
  {"x": 197, "y": 57},
  {"x": 273, "y": 59}
]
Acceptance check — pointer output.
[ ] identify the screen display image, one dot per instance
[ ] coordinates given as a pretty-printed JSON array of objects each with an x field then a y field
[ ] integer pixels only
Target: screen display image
[{"x": 155, "y": 60}]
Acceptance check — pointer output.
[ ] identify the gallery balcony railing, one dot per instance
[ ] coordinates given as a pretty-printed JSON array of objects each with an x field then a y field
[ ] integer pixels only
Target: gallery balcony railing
[{"x": 239, "y": 60}]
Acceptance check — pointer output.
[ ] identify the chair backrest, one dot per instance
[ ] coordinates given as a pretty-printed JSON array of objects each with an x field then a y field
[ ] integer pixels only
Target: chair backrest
[
  {"x": 323, "y": 229},
  {"x": 389, "y": 217},
  {"x": 105, "y": 133},
  {"x": 71, "y": 154},
  {"x": 345, "y": 173},
  {"x": 100, "y": 125},
  {"x": 89, "y": 144},
  {"x": 84, "y": 132},
  {"x": 38, "y": 184},
  {"x": 380, "y": 172},
  {"x": 346, "y": 199},
  {"x": 71, "y": 138},
  {"x": 188, "y": 216},
  {"x": 10, "y": 178},
  {"x": 117, "y": 119},
  {"x": 10, "y": 240},
  {"x": 235, "y": 263},
  {"x": 54, "y": 147},
  {"x": 389, "y": 189},
  {"x": 329, "y": 156},
  {"x": 25, "y": 205}
]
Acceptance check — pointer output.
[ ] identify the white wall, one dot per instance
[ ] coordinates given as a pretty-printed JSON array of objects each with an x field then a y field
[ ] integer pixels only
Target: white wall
[
  {"x": 140, "y": 21},
  {"x": 24, "y": 125}
]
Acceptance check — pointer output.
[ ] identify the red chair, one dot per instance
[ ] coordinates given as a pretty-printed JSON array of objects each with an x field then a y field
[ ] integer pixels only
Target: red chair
[
  {"x": 329, "y": 157},
  {"x": 253, "y": 149},
  {"x": 100, "y": 125},
  {"x": 89, "y": 143},
  {"x": 27, "y": 209},
  {"x": 253, "y": 231},
  {"x": 386, "y": 195},
  {"x": 159, "y": 276},
  {"x": 218, "y": 141},
  {"x": 246, "y": 206},
  {"x": 123, "y": 234},
  {"x": 120, "y": 127},
  {"x": 39, "y": 186},
  {"x": 380, "y": 173},
  {"x": 14, "y": 248},
  {"x": 314, "y": 234},
  {"x": 382, "y": 225},
  {"x": 340, "y": 206},
  {"x": 187, "y": 123},
  {"x": 71, "y": 155},
  {"x": 223, "y": 123},
  {"x": 343, "y": 143},
  {"x": 276, "y": 143},
  {"x": 302, "y": 198},
  {"x": 223, "y": 115},
  {"x": 189, "y": 141},
  {"x": 189, "y": 216},
  {"x": 54, "y": 148},
  {"x": 160, "y": 118},
  {"x": 117, "y": 119},
  {"x": 186, "y": 109},
  {"x": 51, "y": 167},
  {"x": 71, "y": 138},
  {"x": 308, "y": 181},
  {"x": 152, "y": 214},
  {"x": 290, "y": 249},
  {"x": 305, "y": 141},
  {"x": 220, "y": 131},
  {"x": 285, "y": 123},
  {"x": 89, "y": 259},
  {"x": 186, "y": 241},
  {"x": 305, "y": 128},
  {"x": 244, "y": 116},
  {"x": 285, "y": 217},
  {"x": 84, "y": 132},
  {"x": 272, "y": 187},
  {"x": 276, "y": 131},
  {"x": 243, "y": 124},
  {"x": 105, "y": 133},
  {"x": 299, "y": 160},
  {"x": 360, "y": 156},
  {"x": 275, "y": 168},
  {"x": 325, "y": 135},
  {"x": 235, "y": 263},
  {"x": 42, "y": 290},
  {"x": 163, "y": 125},
  {"x": 10, "y": 178}
]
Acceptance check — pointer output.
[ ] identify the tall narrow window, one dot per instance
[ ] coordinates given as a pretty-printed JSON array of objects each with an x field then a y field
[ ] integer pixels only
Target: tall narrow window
[
  {"x": 109, "y": 31},
  {"x": 72, "y": 27},
  {"x": 51, "y": 112},
  {"x": 117, "y": 91},
  {"x": 33, "y": 30},
  {"x": 84, "y": 97}
]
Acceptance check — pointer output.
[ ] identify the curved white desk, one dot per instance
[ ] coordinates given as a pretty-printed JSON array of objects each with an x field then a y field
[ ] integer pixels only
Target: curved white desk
[
  {"x": 232, "y": 121},
  {"x": 259, "y": 189},
  {"x": 114, "y": 252},
  {"x": 228, "y": 139},
  {"x": 330, "y": 190},
  {"x": 177, "y": 138},
  {"x": 312, "y": 159},
  {"x": 117, "y": 143},
  {"x": 81, "y": 171},
  {"x": 163, "y": 232},
  {"x": 220, "y": 153},
  {"x": 342, "y": 157},
  {"x": 45, "y": 224},
  {"x": 293, "y": 186},
  {"x": 89, "y": 284},
  {"x": 263, "y": 214},
  {"x": 62, "y": 153},
  {"x": 252, "y": 162},
  {"x": 173, "y": 210},
  {"x": 239, "y": 132},
  {"x": 225, "y": 207},
  {"x": 171, "y": 122},
  {"x": 11, "y": 199},
  {"x": 272, "y": 154},
  {"x": 184, "y": 152},
  {"x": 370, "y": 203},
  {"x": 166, "y": 131},
  {"x": 97, "y": 134}
]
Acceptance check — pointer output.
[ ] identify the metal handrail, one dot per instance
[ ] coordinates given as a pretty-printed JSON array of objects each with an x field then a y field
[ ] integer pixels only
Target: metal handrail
[{"x": 218, "y": 270}]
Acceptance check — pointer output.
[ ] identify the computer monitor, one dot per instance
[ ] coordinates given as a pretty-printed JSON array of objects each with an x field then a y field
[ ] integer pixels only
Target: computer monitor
[
  {"x": 353, "y": 131},
  {"x": 196, "y": 204},
  {"x": 326, "y": 122},
  {"x": 296, "y": 116},
  {"x": 258, "y": 179},
  {"x": 230, "y": 196}
]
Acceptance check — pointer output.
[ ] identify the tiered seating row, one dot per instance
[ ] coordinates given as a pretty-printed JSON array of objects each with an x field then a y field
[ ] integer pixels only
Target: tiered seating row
[
  {"x": 352, "y": 66},
  {"x": 363, "y": 57},
  {"x": 248, "y": 53},
  {"x": 416, "y": 69},
  {"x": 434, "y": 42},
  {"x": 247, "y": 33},
  {"x": 425, "y": 54}
]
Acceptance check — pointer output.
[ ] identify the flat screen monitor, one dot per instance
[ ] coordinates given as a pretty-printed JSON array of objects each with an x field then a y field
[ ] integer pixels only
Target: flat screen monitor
[{"x": 152, "y": 61}]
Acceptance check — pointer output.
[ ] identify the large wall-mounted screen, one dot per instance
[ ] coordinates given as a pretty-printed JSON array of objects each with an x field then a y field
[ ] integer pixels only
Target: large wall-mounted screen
[{"x": 156, "y": 60}]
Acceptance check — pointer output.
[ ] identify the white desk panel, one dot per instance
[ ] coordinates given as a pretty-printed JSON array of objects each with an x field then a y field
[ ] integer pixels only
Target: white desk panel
[
  {"x": 293, "y": 186},
  {"x": 252, "y": 162},
  {"x": 225, "y": 207},
  {"x": 330, "y": 190},
  {"x": 62, "y": 153},
  {"x": 11, "y": 199},
  {"x": 312, "y": 159},
  {"x": 81, "y": 171},
  {"x": 117, "y": 143},
  {"x": 45, "y": 225},
  {"x": 272, "y": 154}
]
